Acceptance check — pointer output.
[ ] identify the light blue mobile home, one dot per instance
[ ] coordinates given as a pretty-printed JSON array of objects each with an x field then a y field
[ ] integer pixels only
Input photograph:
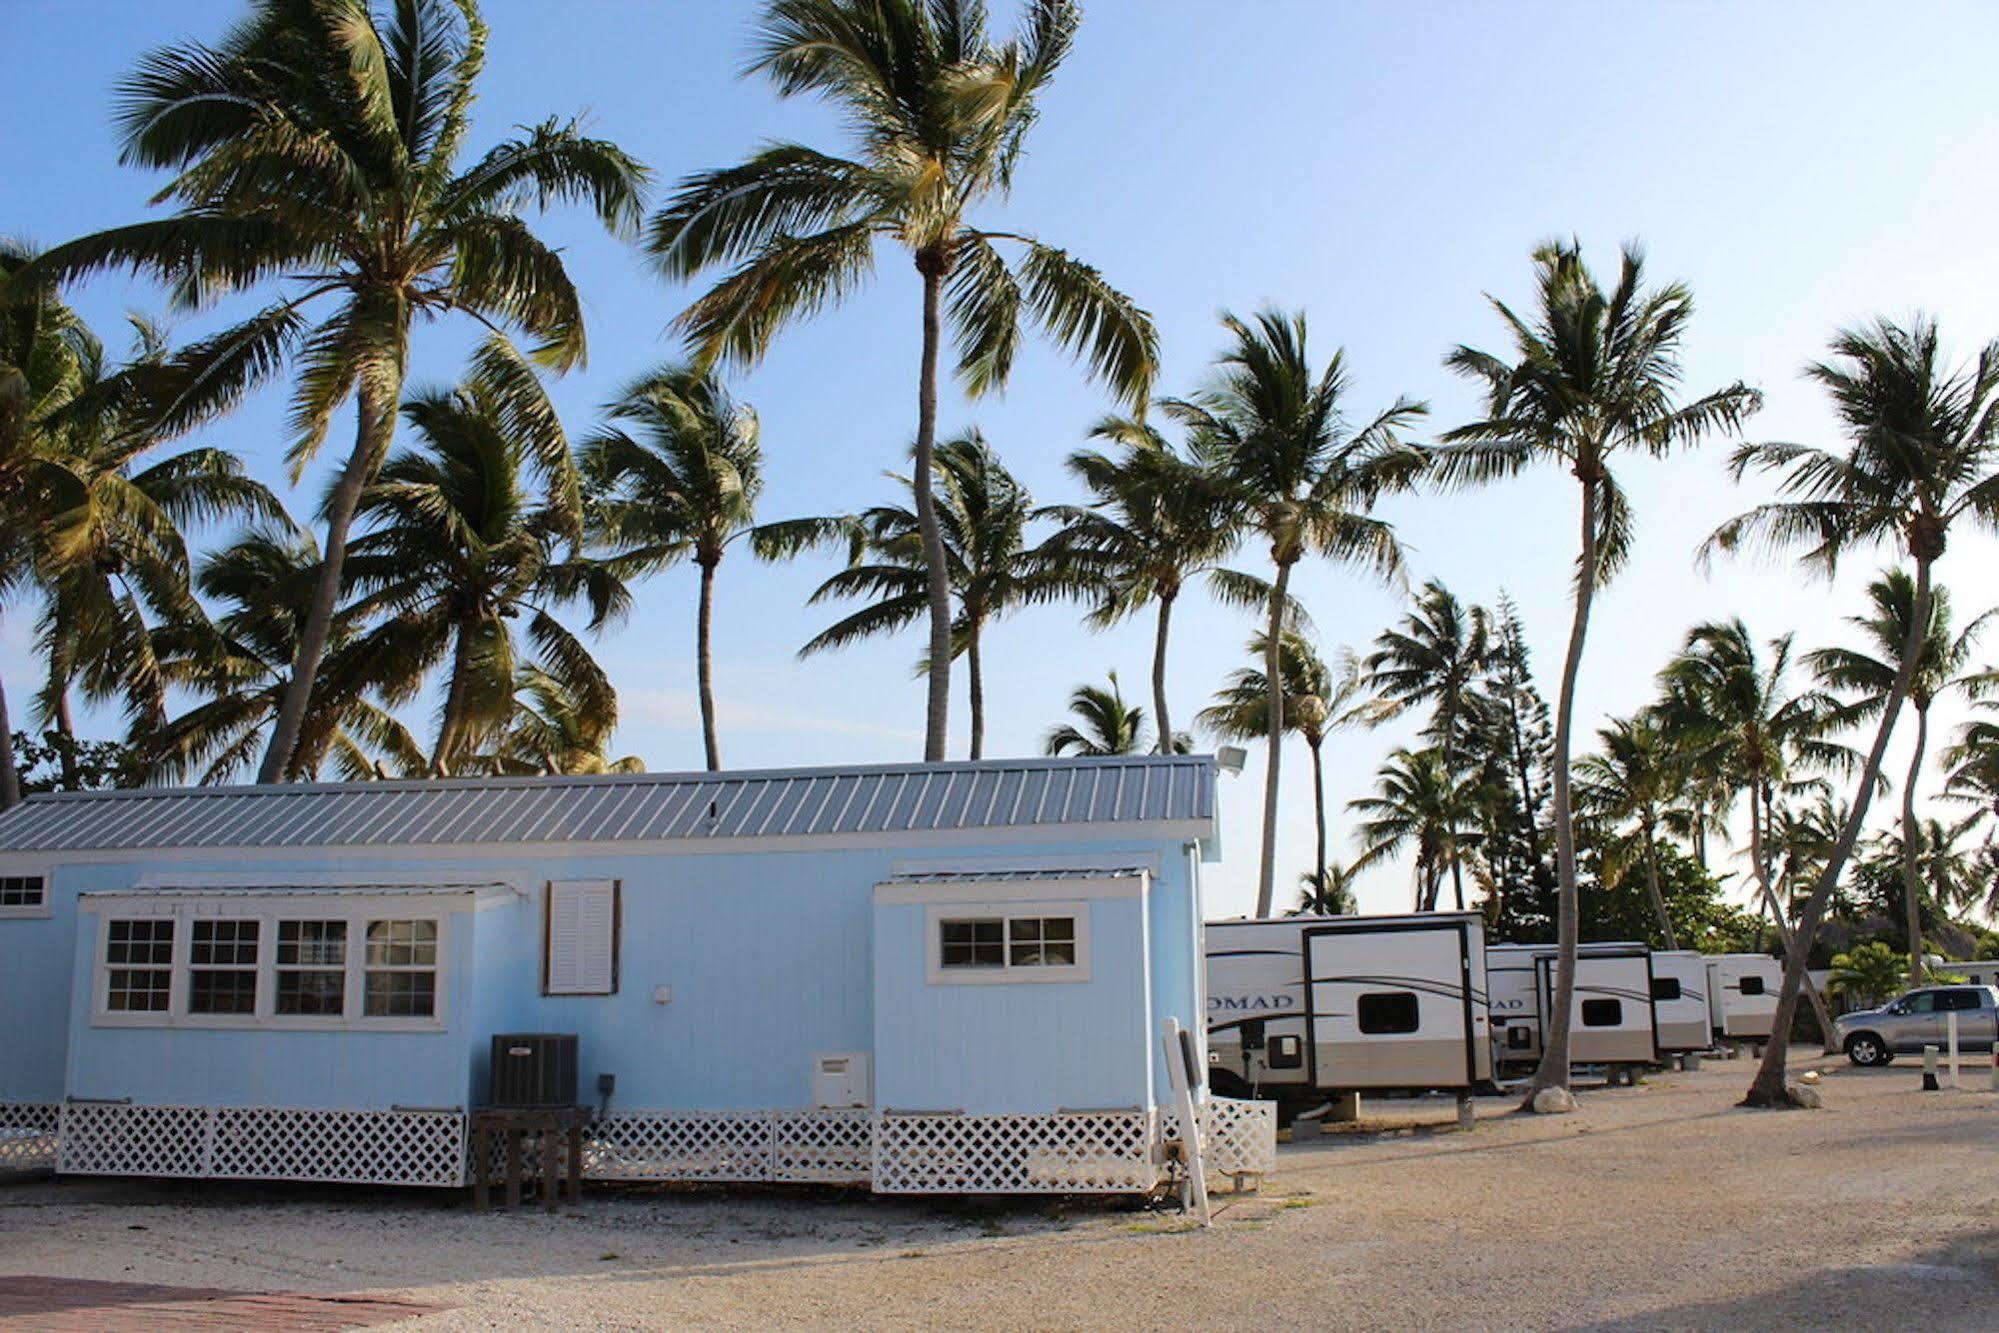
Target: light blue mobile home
[{"x": 940, "y": 976}]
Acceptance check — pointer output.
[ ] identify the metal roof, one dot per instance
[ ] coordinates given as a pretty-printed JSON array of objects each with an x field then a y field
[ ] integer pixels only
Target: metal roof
[
  {"x": 1035, "y": 876},
  {"x": 778, "y": 803}
]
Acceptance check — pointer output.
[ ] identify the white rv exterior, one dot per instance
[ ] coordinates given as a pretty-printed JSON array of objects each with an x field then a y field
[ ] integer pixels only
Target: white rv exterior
[
  {"x": 1303, "y": 1006},
  {"x": 1679, "y": 1000},
  {"x": 1611, "y": 1023},
  {"x": 1742, "y": 994},
  {"x": 1982, "y": 973}
]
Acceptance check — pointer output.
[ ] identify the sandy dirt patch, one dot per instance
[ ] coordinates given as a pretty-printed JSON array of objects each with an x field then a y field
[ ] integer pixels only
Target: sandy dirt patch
[{"x": 1656, "y": 1206}]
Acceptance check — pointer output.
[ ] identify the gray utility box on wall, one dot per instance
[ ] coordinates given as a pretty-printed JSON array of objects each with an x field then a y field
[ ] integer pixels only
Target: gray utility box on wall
[{"x": 533, "y": 1070}]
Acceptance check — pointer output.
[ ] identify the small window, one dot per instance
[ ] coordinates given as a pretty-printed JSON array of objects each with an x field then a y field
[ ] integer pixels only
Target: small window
[
  {"x": 1041, "y": 941},
  {"x": 138, "y": 961},
  {"x": 23, "y": 891},
  {"x": 222, "y": 967},
  {"x": 1665, "y": 988},
  {"x": 1285, "y": 1052},
  {"x": 1519, "y": 1038},
  {"x": 1603, "y": 1013},
  {"x": 974, "y": 943},
  {"x": 1959, "y": 999},
  {"x": 1922, "y": 1002},
  {"x": 1752, "y": 986},
  {"x": 311, "y": 968},
  {"x": 401, "y": 967},
  {"x": 1384, "y": 1012}
]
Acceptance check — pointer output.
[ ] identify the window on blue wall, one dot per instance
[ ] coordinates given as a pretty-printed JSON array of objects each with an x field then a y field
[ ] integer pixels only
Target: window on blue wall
[
  {"x": 401, "y": 968},
  {"x": 22, "y": 890},
  {"x": 979, "y": 943},
  {"x": 138, "y": 961},
  {"x": 222, "y": 967},
  {"x": 1041, "y": 941},
  {"x": 312, "y": 967}
]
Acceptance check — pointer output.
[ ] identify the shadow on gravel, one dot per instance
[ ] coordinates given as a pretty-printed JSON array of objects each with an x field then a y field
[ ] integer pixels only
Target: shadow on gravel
[{"x": 1954, "y": 1285}]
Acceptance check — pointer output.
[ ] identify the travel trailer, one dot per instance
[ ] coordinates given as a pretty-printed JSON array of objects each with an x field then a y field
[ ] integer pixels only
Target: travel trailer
[
  {"x": 1302, "y": 1007},
  {"x": 927, "y": 977},
  {"x": 1611, "y": 1022},
  {"x": 1742, "y": 994},
  {"x": 1679, "y": 1000}
]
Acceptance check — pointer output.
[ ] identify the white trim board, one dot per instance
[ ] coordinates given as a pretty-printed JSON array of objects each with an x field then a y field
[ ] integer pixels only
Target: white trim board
[{"x": 996, "y": 892}]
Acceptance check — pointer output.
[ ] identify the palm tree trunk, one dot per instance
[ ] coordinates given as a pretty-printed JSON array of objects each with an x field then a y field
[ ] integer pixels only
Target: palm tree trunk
[
  {"x": 932, "y": 264},
  {"x": 10, "y": 776},
  {"x": 1759, "y": 856},
  {"x": 1553, "y": 1070},
  {"x": 1266, "y": 883},
  {"x": 975, "y": 674},
  {"x": 1159, "y": 714},
  {"x": 380, "y": 392},
  {"x": 1652, "y": 887},
  {"x": 1912, "y": 880},
  {"x": 65, "y": 722},
  {"x": 1319, "y": 816},
  {"x": 452, "y": 720},
  {"x": 1457, "y": 877},
  {"x": 1768, "y": 1087},
  {"x": 704, "y": 666}
]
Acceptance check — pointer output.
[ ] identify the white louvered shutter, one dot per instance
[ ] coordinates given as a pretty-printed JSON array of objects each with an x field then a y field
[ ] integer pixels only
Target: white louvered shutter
[{"x": 582, "y": 937}]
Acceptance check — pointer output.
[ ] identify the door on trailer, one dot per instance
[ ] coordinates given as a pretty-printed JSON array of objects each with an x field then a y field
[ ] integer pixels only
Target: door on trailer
[{"x": 1391, "y": 1007}]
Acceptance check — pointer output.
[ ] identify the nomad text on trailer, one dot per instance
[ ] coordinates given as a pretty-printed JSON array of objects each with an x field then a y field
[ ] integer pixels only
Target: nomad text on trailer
[{"x": 1301, "y": 1007}]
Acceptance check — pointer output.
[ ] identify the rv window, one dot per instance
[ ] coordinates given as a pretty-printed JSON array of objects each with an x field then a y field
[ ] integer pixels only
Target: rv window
[
  {"x": 312, "y": 968},
  {"x": 1752, "y": 986},
  {"x": 1665, "y": 988},
  {"x": 1382, "y": 1012},
  {"x": 974, "y": 944},
  {"x": 401, "y": 961},
  {"x": 22, "y": 891},
  {"x": 1041, "y": 941},
  {"x": 1603, "y": 1013},
  {"x": 138, "y": 960},
  {"x": 222, "y": 967}
]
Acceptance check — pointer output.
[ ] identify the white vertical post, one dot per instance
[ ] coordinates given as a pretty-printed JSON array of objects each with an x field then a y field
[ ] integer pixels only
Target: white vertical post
[
  {"x": 1182, "y": 1080},
  {"x": 1950, "y": 1039}
]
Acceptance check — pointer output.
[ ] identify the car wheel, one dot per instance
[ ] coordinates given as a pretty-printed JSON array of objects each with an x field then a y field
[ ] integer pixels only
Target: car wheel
[{"x": 1867, "y": 1050}]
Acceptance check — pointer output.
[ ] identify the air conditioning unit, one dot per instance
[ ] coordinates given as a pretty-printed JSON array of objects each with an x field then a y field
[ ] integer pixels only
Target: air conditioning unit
[
  {"x": 842, "y": 1079},
  {"x": 533, "y": 1071}
]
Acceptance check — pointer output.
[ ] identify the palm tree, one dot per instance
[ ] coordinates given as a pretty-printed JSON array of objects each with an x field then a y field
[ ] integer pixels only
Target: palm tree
[
  {"x": 1327, "y": 891},
  {"x": 675, "y": 473},
  {"x": 1318, "y": 699},
  {"x": 1108, "y": 725},
  {"x": 1869, "y": 674},
  {"x": 940, "y": 112},
  {"x": 1734, "y": 710},
  {"x": 1922, "y": 442},
  {"x": 1950, "y": 874},
  {"x": 264, "y": 584},
  {"x": 553, "y": 731},
  {"x": 1593, "y": 376},
  {"x": 989, "y": 568},
  {"x": 1301, "y": 478},
  {"x": 1434, "y": 657},
  {"x": 458, "y": 551},
  {"x": 1869, "y": 972},
  {"x": 1421, "y": 805},
  {"x": 317, "y": 146},
  {"x": 1974, "y": 761},
  {"x": 1635, "y": 775},
  {"x": 1155, "y": 519}
]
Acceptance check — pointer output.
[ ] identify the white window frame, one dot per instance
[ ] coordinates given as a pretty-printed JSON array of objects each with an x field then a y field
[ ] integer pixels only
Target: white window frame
[
  {"x": 356, "y": 911},
  {"x": 1006, "y": 973},
  {"x": 40, "y": 911}
]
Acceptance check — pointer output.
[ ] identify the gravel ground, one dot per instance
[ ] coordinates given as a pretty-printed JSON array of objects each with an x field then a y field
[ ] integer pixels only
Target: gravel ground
[{"x": 1657, "y": 1206}]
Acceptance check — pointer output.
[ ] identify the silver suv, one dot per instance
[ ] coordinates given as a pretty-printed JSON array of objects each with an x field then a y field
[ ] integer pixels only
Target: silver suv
[{"x": 1916, "y": 1020}]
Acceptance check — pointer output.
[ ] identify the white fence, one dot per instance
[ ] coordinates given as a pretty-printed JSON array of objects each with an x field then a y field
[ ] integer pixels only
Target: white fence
[{"x": 896, "y": 1153}]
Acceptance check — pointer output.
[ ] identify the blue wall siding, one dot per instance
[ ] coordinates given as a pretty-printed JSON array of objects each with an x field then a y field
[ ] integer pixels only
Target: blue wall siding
[
  {"x": 771, "y": 957},
  {"x": 34, "y": 993},
  {"x": 1018, "y": 1047}
]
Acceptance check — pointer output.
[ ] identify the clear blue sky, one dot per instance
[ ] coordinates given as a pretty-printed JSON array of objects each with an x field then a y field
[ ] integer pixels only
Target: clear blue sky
[{"x": 1382, "y": 166}]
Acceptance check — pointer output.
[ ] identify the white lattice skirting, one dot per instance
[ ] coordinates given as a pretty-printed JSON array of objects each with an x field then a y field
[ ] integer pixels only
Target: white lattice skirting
[
  {"x": 1111, "y": 1152},
  {"x": 264, "y": 1143},
  {"x": 28, "y": 1136}
]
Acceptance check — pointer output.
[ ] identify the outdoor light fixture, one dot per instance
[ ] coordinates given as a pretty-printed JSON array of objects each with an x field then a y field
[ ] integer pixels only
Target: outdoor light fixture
[{"x": 1231, "y": 758}]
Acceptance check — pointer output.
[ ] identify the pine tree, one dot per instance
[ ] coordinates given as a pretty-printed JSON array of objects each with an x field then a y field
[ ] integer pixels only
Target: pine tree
[{"x": 1509, "y": 739}]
